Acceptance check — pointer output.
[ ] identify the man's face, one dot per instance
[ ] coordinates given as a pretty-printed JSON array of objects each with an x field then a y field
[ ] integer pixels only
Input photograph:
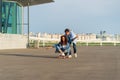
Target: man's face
[{"x": 67, "y": 32}]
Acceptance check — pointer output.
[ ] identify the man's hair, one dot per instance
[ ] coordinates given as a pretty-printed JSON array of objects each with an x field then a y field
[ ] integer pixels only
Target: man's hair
[{"x": 67, "y": 30}]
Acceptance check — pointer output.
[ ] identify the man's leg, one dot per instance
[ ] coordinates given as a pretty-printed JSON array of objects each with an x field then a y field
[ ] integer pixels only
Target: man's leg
[
  {"x": 70, "y": 52},
  {"x": 75, "y": 50}
]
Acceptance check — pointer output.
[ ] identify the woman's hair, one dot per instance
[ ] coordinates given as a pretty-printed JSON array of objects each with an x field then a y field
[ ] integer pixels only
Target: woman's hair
[{"x": 66, "y": 40}]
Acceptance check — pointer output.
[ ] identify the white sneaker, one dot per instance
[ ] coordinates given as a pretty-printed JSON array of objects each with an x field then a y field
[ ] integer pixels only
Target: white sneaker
[
  {"x": 75, "y": 55},
  {"x": 69, "y": 56},
  {"x": 63, "y": 54}
]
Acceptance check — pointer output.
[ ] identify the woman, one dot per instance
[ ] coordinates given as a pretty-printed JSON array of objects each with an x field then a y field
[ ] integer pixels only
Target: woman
[{"x": 63, "y": 47}]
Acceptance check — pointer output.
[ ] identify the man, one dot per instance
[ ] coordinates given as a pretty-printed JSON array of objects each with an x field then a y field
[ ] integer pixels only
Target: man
[{"x": 71, "y": 36}]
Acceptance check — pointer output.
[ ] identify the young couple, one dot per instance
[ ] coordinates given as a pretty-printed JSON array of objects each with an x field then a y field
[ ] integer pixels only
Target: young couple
[{"x": 63, "y": 47}]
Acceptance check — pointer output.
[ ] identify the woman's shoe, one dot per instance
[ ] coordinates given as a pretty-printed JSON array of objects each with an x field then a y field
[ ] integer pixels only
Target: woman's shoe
[{"x": 70, "y": 56}]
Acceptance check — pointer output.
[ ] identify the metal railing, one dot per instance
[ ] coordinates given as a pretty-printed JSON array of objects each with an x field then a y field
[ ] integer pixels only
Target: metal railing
[{"x": 49, "y": 42}]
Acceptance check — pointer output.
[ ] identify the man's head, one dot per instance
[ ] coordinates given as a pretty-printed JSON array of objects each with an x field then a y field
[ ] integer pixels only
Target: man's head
[{"x": 67, "y": 31}]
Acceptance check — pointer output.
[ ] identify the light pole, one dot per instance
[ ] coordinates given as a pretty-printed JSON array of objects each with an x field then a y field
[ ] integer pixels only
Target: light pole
[{"x": 28, "y": 3}]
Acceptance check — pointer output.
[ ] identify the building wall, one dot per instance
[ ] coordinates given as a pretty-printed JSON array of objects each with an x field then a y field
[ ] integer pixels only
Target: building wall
[
  {"x": 86, "y": 37},
  {"x": 12, "y": 41},
  {"x": 117, "y": 37}
]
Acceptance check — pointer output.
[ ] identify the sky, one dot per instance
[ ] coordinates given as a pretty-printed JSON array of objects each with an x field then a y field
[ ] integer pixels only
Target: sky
[{"x": 81, "y": 16}]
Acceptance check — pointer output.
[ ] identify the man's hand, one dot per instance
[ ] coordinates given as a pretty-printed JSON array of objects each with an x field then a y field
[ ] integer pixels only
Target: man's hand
[{"x": 76, "y": 36}]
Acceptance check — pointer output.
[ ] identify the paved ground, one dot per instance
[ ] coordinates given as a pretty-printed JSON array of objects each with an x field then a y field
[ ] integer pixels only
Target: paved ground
[{"x": 93, "y": 63}]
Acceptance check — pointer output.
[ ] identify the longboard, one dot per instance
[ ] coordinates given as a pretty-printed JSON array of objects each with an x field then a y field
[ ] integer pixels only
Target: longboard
[{"x": 62, "y": 57}]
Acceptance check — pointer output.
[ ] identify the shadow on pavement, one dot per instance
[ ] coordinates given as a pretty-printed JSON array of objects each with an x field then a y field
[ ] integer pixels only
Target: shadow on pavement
[{"x": 30, "y": 55}]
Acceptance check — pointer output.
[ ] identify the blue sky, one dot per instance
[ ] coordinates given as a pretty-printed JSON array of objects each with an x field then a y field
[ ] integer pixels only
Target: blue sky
[{"x": 82, "y": 16}]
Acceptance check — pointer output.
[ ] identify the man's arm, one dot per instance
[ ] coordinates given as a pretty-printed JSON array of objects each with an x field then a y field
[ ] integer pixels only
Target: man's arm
[{"x": 75, "y": 38}]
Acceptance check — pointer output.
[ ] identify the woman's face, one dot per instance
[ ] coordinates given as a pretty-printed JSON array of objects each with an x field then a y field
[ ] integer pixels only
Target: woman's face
[{"x": 63, "y": 39}]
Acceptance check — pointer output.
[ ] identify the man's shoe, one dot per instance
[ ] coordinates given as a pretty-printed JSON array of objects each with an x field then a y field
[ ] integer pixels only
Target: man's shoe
[{"x": 75, "y": 55}]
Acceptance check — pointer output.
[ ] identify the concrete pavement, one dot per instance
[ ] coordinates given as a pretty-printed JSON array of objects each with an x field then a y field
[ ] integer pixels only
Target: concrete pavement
[{"x": 93, "y": 63}]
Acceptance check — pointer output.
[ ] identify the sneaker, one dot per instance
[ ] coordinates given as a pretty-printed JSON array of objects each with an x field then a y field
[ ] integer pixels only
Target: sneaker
[
  {"x": 75, "y": 55},
  {"x": 63, "y": 54},
  {"x": 69, "y": 56}
]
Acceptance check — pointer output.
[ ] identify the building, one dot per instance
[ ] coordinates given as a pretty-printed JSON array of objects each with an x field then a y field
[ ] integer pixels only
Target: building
[
  {"x": 87, "y": 37},
  {"x": 117, "y": 37},
  {"x": 11, "y": 22}
]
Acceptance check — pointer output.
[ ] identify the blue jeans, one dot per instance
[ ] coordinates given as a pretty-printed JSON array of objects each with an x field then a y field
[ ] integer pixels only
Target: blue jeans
[
  {"x": 66, "y": 51},
  {"x": 74, "y": 49}
]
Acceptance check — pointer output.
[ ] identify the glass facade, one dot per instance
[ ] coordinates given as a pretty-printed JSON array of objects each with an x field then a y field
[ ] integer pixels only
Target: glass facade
[
  {"x": 11, "y": 18},
  {"x": 0, "y": 15}
]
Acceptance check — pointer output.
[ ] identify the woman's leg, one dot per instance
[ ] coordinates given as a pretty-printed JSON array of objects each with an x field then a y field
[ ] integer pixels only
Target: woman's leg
[
  {"x": 56, "y": 48},
  {"x": 68, "y": 53}
]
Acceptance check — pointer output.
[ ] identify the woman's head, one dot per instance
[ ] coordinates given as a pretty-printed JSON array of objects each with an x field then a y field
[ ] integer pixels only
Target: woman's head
[{"x": 64, "y": 39}]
